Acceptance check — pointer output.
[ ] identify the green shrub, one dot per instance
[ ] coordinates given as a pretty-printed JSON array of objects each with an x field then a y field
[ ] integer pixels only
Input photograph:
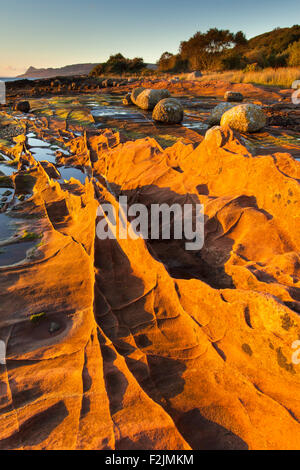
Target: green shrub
[
  {"x": 37, "y": 317},
  {"x": 30, "y": 236}
]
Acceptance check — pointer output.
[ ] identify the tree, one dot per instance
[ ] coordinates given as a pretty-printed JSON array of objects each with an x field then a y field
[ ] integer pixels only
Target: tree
[
  {"x": 117, "y": 65},
  {"x": 164, "y": 62},
  {"x": 203, "y": 50},
  {"x": 294, "y": 54},
  {"x": 240, "y": 39}
]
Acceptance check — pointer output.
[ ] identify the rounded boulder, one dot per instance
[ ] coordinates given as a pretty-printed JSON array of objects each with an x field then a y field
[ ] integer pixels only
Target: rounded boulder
[
  {"x": 233, "y": 96},
  {"x": 149, "y": 98},
  {"x": 135, "y": 93},
  {"x": 168, "y": 110},
  {"x": 216, "y": 114},
  {"x": 127, "y": 100},
  {"x": 23, "y": 106},
  {"x": 244, "y": 118}
]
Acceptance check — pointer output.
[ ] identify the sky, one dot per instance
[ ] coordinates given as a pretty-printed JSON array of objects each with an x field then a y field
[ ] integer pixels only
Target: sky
[{"x": 55, "y": 33}]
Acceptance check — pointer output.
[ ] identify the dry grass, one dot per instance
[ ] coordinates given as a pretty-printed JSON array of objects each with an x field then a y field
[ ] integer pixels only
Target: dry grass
[{"x": 282, "y": 77}]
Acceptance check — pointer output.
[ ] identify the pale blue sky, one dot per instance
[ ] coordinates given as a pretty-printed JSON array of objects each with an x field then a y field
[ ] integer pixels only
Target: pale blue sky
[{"x": 61, "y": 32}]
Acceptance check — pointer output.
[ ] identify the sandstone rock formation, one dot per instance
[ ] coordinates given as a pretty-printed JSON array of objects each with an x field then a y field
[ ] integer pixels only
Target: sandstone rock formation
[
  {"x": 142, "y": 344},
  {"x": 244, "y": 118},
  {"x": 168, "y": 110},
  {"x": 155, "y": 347}
]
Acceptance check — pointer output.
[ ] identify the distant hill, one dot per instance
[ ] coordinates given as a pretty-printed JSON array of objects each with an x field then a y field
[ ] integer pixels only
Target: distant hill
[
  {"x": 67, "y": 71},
  {"x": 276, "y": 41}
]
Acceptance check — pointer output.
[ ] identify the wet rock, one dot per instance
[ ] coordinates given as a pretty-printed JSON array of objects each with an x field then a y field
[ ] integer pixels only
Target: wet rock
[
  {"x": 168, "y": 110},
  {"x": 50, "y": 169},
  {"x": 10, "y": 131},
  {"x": 149, "y": 98},
  {"x": 233, "y": 96},
  {"x": 6, "y": 182},
  {"x": 135, "y": 93},
  {"x": 244, "y": 118},
  {"x": 218, "y": 111},
  {"x": 23, "y": 106},
  {"x": 107, "y": 83},
  {"x": 24, "y": 183}
]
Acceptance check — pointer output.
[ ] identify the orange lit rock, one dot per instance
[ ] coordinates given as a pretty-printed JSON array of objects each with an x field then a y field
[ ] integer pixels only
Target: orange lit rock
[{"x": 157, "y": 347}]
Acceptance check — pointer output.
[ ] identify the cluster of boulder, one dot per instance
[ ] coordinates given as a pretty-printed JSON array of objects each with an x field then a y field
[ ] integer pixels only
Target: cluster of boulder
[
  {"x": 64, "y": 85},
  {"x": 247, "y": 117},
  {"x": 164, "y": 108}
]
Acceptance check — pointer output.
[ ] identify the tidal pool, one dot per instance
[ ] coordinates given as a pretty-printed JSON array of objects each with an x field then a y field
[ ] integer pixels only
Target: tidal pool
[
  {"x": 7, "y": 227},
  {"x": 14, "y": 253},
  {"x": 69, "y": 172},
  {"x": 42, "y": 150},
  {"x": 8, "y": 170}
]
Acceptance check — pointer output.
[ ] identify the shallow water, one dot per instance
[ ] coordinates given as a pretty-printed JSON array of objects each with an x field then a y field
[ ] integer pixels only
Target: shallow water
[
  {"x": 194, "y": 125},
  {"x": 116, "y": 112},
  {"x": 14, "y": 253},
  {"x": 33, "y": 141},
  {"x": 69, "y": 172},
  {"x": 4, "y": 190},
  {"x": 42, "y": 150},
  {"x": 8, "y": 170},
  {"x": 41, "y": 154},
  {"x": 7, "y": 227},
  {"x": 110, "y": 106}
]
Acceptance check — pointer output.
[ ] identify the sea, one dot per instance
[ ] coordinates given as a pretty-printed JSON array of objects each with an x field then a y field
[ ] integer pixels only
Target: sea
[{"x": 13, "y": 79}]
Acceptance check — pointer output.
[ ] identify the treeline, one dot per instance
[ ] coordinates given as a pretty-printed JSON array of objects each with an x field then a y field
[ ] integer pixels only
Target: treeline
[
  {"x": 118, "y": 65},
  {"x": 219, "y": 49}
]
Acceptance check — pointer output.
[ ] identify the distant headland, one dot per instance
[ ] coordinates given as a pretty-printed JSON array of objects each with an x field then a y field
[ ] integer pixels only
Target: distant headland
[{"x": 67, "y": 71}]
